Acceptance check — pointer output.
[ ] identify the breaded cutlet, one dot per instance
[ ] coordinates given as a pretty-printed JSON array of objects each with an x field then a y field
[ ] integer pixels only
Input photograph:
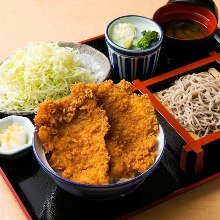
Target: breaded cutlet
[
  {"x": 133, "y": 129},
  {"x": 72, "y": 132},
  {"x": 99, "y": 134}
]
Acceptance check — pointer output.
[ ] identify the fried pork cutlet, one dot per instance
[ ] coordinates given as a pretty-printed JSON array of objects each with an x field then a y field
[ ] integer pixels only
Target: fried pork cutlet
[
  {"x": 133, "y": 129},
  {"x": 72, "y": 132},
  {"x": 99, "y": 134}
]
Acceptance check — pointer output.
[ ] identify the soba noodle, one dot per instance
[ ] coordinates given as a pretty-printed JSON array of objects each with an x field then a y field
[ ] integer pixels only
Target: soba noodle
[{"x": 194, "y": 100}]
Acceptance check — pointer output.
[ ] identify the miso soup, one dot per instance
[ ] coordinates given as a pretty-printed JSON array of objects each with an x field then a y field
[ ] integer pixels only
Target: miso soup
[{"x": 188, "y": 30}]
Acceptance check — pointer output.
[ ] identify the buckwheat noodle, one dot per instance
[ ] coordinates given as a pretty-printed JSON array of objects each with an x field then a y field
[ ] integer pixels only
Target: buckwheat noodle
[{"x": 194, "y": 100}]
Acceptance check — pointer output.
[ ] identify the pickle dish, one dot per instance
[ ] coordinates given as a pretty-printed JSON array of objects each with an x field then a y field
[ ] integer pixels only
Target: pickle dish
[{"x": 16, "y": 133}]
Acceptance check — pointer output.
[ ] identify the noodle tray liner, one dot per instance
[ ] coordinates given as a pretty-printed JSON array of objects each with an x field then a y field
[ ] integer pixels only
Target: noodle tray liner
[{"x": 196, "y": 154}]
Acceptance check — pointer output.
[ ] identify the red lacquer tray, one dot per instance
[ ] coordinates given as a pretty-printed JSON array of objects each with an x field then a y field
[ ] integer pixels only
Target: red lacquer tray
[{"x": 45, "y": 200}]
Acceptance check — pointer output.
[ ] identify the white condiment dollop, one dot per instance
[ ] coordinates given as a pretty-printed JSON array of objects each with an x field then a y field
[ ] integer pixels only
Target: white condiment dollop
[{"x": 13, "y": 137}]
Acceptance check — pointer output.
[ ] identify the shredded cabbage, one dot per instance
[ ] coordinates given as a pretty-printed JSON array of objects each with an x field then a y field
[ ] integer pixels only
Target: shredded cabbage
[{"x": 38, "y": 72}]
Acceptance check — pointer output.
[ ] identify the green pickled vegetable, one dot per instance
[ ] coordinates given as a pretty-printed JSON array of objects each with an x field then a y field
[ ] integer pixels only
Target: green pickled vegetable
[
  {"x": 128, "y": 44},
  {"x": 148, "y": 38}
]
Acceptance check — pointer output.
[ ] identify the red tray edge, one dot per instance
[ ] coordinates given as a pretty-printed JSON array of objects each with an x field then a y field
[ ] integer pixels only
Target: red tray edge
[{"x": 15, "y": 195}]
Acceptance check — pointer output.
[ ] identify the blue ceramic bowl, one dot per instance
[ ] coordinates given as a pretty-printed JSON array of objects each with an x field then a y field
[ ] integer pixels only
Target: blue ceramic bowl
[
  {"x": 96, "y": 192},
  {"x": 134, "y": 63}
]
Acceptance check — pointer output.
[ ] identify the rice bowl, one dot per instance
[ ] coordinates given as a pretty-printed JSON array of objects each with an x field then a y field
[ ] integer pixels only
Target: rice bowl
[{"x": 97, "y": 192}]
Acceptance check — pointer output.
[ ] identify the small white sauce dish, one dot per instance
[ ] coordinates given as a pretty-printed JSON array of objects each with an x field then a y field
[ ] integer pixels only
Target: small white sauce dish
[{"x": 14, "y": 153}]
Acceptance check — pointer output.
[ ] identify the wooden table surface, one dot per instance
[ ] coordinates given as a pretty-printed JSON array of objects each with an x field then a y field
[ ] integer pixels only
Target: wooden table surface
[
  {"x": 53, "y": 20},
  {"x": 78, "y": 20}
]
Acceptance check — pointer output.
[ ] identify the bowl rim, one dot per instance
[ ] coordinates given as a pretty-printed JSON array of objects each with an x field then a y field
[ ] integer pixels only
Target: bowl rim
[
  {"x": 132, "y": 51},
  {"x": 55, "y": 175}
]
